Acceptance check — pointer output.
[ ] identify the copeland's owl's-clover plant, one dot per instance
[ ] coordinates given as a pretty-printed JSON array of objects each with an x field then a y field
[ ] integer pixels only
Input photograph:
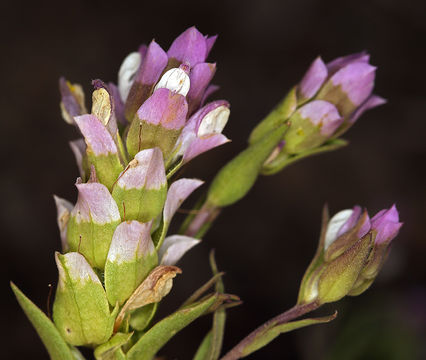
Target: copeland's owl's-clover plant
[{"x": 118, "y": 260}]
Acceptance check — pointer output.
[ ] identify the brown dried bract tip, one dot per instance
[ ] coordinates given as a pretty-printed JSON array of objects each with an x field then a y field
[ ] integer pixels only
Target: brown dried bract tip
[{"x": 156, "y": 286}]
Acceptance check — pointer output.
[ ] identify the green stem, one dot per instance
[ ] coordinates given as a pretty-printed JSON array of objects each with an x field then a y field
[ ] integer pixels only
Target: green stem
[{"x": 296, "y": 311}]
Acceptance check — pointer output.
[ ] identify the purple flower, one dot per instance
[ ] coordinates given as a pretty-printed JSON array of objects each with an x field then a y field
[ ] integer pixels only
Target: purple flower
[
  {"x": 347, "y": 82},
  {"x": 386, "y": 224},
  {"x": 182, "y": 69},
  {"x": 351, "y": 252}
]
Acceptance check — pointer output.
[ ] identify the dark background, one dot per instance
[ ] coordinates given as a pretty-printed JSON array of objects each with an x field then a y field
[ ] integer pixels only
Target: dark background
[{"x": 264, "y": 242}]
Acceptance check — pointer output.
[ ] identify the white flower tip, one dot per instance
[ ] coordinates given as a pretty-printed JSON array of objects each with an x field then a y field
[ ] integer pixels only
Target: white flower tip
[
  {"x": 334, "y": 225},
  {"x": 76, "y": 266},
  {"x": 176, "y": 80},
  {"x": 214, "y": 122},
  {"x": 127, "y": 72}
]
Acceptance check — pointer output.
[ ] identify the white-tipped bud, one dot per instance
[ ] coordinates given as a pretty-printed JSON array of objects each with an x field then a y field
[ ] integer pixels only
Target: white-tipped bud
[
  {"x": 176, "y": 80},
  {"x": 214, "y": 121},
  {"x": 334, "y": 225},
  {"x": 127, "y": 72}
]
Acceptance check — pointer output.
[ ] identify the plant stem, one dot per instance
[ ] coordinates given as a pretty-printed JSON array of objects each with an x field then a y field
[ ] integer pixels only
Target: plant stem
[{"x": 296, "y": 311}]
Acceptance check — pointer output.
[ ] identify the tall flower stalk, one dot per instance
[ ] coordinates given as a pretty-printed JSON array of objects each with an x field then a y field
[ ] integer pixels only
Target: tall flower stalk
[{"x": 118, "y": 260}]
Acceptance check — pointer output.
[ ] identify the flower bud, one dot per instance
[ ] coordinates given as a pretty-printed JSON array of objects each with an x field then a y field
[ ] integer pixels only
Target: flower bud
[
  {"x": 127, "y": 72},
  {"x": 191, "y": 47},
  {"x": 153, "y": 62},
  {"x": 311, "y": 125},
  {"x": 312, "y": 81},
  {"x": 350, "y": 254},
  {"x": 141, "y": 189},
  {"x": 81, "y": 311},
  {"x": 203, "y": 130},
  {"x": 92, "y": 223},
  {"x": 343, "y": 230},
  {"x": 176, "y": 80},
  {"x": 385, "y": 226},
  {"x": 130, "y": 258},
  {"x": 158, "y": 123},
  {"x": 174, "y": 247},
  {"x": 200, "y": 77},
  {"x": 72, "y": 100},
  {"x": 101, "y": 150}
]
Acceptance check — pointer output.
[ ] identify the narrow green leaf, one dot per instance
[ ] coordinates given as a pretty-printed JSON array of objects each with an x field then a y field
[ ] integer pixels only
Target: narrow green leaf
[
  {"x": 219, "y": 317},
  {"x": 156, "y": 337},
  {"x": 204, "y": 348},
  {"x": 52, "y": 340},
  {"x": 202, "y": 290},
  {"x": 271, "y": 332},
  {"x": 107, "y": 351}
]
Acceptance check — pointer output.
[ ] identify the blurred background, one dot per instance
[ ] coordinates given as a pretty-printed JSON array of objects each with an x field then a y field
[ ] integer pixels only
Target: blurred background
[{"x": 264, "y": 242}]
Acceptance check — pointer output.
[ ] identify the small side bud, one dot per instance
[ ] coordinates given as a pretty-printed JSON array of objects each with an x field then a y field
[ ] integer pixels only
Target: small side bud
[
  {"x": 141, "y": 189},
  {"x": 72, "y": 100},
  {"x": 130, "y": 258},
  {"x": 81, "y": 311}
]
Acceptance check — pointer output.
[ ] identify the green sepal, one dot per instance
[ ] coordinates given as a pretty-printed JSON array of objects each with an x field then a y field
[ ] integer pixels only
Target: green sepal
[
  {"x": 81, "y": 311},
  {"x": 91, "y": 240},
  {"x": 308, "y": 286},
  {"x": 302, "y": 135},
  {"x": 142, "y": 317},
  {"x": 139, "y": 204},
  {"x": 108, "y": 167},
  {"x": 158, "y": 335},
  {"x": 340, "y": 275},
  {"x": 107, "y": 350},
  {"x": 345, "y": 241},
  {"x": 270, "y": 332},
  {"x": 143, "y": 135},
  {"x": 277, "y": 117},
  {"x": 122, "y": 278},
  {"x": 361, "y": 285},
  {"x": 49, "y": 334},
  {"x": 284, "y": 159},
  {"x": 238, "y": 176},
  {"x": 336, "y": 96}
]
